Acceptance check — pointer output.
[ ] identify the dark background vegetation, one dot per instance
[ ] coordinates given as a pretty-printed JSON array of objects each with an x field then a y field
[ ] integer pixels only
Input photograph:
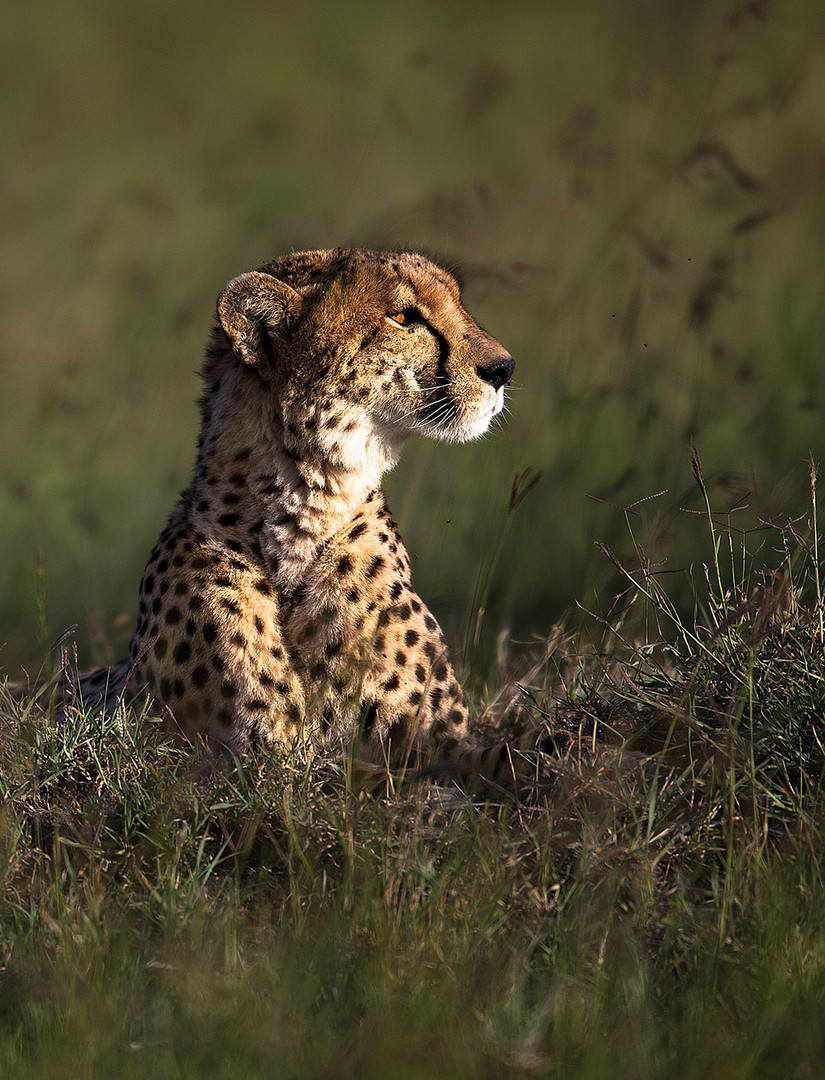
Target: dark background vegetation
[{"x": 633, "y": 193}]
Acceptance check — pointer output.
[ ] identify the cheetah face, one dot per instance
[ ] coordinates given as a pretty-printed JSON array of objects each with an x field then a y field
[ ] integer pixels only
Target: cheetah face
[
  {"x": 365, "y": 348},
  {"x": 440, "y": 374}
]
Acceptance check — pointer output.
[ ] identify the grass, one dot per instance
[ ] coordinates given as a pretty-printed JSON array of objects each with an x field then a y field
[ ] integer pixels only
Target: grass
[{"x": 649, "y": 903}]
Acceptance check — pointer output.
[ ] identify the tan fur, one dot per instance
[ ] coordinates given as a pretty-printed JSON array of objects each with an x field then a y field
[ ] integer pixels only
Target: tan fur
[{"x": 277, "y": 605}]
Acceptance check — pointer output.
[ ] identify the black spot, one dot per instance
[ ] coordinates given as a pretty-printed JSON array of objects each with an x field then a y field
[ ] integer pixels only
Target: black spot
[
  {"x": 163, "y": 566},
  {"x": 231, "y": 499},
  {"x": 181, "y": 588},
  {"x": 416, "y": 605},
  {"x": 178, "y": 560},
  {"x": 415, "y": 697},
  {"x": 160, "y": 648},
  {"x": 237, "y": 479},
  {"x": 375, "y": 566},
  {"x": 217, "y": 662},
  {"x": 239, "y": 640},
  {"x": 441, "y": 672},
  {"x": 210, "y": 632},
  {"x": 430, "y": 622},
  {"x": 266, "y": 679},
  {"x": 148, "y": 583},
  {"x": 379, "y": 642},
  {"x": 420, "y": 673},
  {"x": 165, "y": 689},
  {"x": 344, "y": 565},
  {"x": 263, "y": 587},
  {"x": 277, "y": 652},
  {"x": 224, "y": 581},
  {"x": 282, "y": 688},
  {"x": 404, "y": 612},
  {"x": 182, "y": 652},
  {"x": 195, "y": 603},
  {"x": 255, "y": 704},
  {"x": 353, "y": 596},
  {"x": 224, "y": 717},
  {"x": 200, "y": 676},
  {"x": 396, "y": 590},
  {"x": 333, "y": 648},
  {"x": 456, "y": 716},
  {"x": 411, "y": 637},
  {"x": 228, "y": 689},
  {"x": 178, "y": 689},
  {"x": 231, "y": 605},
  {"x": 400, "y": 658},
  {"x": 435, "y": 696},
  {"x": 234, "y": 545},
  {"x": 156, "y": 606},
  {"x": 173, "y": 616},
  {"x": 429, "y": 650},
  {"x": 357, "y": 530}
]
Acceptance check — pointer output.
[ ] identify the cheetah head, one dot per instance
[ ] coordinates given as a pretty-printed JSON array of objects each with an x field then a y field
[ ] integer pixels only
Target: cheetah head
[{"x": 361, "y": 349}]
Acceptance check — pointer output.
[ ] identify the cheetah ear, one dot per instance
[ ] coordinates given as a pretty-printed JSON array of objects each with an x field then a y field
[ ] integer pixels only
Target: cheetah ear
[{"x": 254, "y": 307}]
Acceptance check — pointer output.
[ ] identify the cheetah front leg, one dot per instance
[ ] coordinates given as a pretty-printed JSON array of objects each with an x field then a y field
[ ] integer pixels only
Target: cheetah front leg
[
  {"x": 209, "y": 646},
  {"x": 375, "y": 658}
]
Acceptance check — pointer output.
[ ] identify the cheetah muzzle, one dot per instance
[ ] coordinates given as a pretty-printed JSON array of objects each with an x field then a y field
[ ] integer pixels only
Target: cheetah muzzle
[{"x": 277, "y": 604}]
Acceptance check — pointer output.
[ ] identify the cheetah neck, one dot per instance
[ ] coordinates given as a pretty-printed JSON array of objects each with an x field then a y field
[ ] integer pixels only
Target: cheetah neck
[
  {"x": 301, "y": 517},
  {"x": 251, "y": 484}
]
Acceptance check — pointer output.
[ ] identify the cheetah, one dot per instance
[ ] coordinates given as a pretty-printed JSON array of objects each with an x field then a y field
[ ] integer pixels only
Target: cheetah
[{"x": 277, "y": 606}]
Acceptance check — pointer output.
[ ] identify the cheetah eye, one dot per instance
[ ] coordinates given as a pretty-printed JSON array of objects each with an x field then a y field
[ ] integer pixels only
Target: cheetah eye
[{"x": 405, "y": 317}]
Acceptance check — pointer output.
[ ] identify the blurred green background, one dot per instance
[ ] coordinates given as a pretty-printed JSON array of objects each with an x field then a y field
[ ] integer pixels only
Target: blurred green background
[{"x": 634, "y": 194}]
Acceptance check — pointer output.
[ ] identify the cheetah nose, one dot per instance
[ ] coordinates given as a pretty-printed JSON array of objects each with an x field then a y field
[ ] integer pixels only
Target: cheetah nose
[{"x": 497, "y": 372}]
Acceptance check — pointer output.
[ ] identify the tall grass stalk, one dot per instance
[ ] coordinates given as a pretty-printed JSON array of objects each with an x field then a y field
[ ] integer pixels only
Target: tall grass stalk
[{"x": 658, "y": 867}]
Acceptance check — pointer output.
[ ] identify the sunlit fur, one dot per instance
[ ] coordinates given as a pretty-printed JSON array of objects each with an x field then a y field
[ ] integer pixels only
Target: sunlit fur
[{"x": 277, "y": 604}]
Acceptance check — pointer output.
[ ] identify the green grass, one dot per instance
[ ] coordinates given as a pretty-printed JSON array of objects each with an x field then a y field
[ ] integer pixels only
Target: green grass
[
  {"x": 633, "y": 193},
  {"x": 649, "y": 904}
]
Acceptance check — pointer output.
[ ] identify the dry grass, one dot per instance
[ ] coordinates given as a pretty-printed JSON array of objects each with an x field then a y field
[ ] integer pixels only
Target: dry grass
[{"x": 650, "y": 900}]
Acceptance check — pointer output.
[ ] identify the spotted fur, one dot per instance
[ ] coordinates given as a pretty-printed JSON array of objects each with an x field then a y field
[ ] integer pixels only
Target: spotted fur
[{"x": 277, "y": 604}]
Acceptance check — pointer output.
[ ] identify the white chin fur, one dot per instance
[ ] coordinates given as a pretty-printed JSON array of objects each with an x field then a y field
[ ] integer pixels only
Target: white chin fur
[{"x": 470, "y": 428}]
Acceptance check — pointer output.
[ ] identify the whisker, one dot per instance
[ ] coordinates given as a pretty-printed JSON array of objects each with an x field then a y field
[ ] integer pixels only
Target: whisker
[
  {"x": 421, "y": 409},
  {"x": 439, "y": 420},
  {"x": 414, "y": 390}
]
